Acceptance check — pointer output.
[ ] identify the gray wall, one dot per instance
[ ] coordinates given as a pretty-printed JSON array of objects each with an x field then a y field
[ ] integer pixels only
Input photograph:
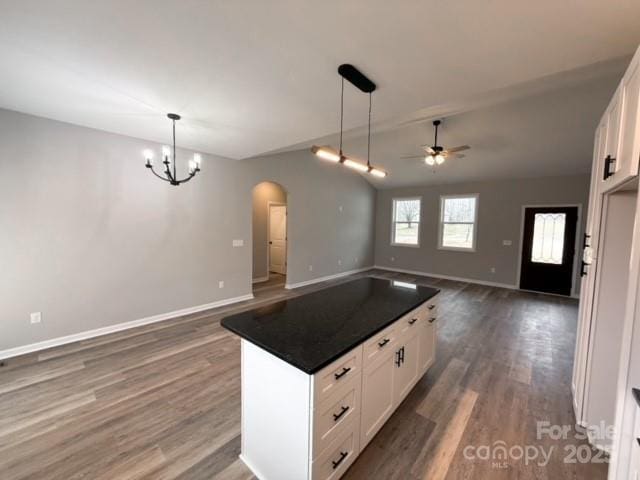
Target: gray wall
[
  {"x": 263, "y": 194},
  {"x": 90, "y": 238},
  {"x": 499, "y": 218}
]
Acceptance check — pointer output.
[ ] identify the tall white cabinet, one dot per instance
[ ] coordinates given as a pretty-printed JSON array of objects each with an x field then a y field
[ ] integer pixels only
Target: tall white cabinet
[{"x": 607, "y": 356}]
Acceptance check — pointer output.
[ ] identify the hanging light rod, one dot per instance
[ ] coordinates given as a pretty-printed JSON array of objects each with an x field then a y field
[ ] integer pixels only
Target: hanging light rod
[
  {"x": 360, "y": 81},
  {"x": 171, "y": 174}
]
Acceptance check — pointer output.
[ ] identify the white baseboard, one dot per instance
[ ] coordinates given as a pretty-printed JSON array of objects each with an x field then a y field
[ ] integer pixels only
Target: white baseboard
[
  {"x": 55, "y": 342},
  {"x": 260, "y": 279},
  {"x": 448, "y": 277},
  {"x": 290, "y": 286}
]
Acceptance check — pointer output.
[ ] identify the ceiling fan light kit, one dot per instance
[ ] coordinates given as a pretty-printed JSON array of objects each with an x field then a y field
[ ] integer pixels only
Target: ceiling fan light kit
[
  {"x": 169, "y": 157},
  {"x": 437, "y": 155},
  {"x": 360, "y": 81}
]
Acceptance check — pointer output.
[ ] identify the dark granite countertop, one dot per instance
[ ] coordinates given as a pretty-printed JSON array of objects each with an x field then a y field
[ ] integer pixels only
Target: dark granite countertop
[{"x": 312, "y": 330}]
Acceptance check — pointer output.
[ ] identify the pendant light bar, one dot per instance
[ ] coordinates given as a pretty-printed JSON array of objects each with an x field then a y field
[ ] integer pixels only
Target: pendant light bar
[{"x": 360, "y": 81}]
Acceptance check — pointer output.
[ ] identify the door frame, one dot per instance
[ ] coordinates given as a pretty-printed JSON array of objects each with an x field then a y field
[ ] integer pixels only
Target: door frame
[
  {"x": 286, "y": 250},
  {"x": 579, "y": 233}
]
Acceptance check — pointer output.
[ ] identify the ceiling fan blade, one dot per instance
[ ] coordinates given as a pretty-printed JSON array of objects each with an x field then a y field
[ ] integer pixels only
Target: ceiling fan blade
[
  {"x": 412, "y": 156},
  {"x": 458, "y": 149},
  {"x": 458, "y": 155}
]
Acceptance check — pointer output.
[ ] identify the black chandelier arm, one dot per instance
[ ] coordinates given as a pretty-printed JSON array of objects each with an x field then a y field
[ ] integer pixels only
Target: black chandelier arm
[{"x": 159, "y": 176}]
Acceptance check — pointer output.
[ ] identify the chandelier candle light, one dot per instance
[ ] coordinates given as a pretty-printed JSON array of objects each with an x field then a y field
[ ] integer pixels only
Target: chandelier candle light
[
  {"x": 169, "y": 157},
  {"x": 357, "y": 78}
]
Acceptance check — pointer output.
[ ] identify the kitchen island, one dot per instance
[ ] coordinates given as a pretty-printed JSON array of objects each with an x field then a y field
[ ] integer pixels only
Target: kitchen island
[{"x": 322, "y": 373}]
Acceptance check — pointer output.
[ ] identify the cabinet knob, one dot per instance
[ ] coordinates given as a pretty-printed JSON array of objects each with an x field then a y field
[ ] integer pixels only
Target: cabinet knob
[{"x": 344, "y": 371}]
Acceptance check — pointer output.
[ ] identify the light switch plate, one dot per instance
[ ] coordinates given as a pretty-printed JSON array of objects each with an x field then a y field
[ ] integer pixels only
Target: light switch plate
[
  {"x": 507, "y": 243},
  {"x": 238, "y": 243},
  {"x": 36, "y": 317}
]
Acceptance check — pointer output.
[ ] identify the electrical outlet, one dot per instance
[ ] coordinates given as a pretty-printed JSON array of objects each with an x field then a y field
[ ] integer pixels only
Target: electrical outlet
[
  {"x": 339, "y": 261},
  {"x": 311, "y": 268},
  {"x": 238, "y": 243},
  {"x": 493, "y": 269},
  {"x": 393, "y": 259},
  {"x": 356, "y": 260},
  {"x": 36, "y": 317},
  {"x": 506, "y": 243},
  {"x": 340, "y": 208},
  {"x": 221, "y": 284}
]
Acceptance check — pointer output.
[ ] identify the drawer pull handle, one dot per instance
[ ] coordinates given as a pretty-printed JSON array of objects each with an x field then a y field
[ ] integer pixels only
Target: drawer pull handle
[
  {"x": 343, "y": 410},
  {"x": 432, "y": 319},
  {"x": 336, "y": 463},
  {"x": 383, "y": 343},
  {"x": 412, "y": 321},
  {"x": 431, "y": 307},
  {"x": 344, "y": 371}
]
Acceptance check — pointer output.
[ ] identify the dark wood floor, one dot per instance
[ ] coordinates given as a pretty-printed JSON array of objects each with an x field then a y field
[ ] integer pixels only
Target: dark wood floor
[{"x": 163, "y": 401}]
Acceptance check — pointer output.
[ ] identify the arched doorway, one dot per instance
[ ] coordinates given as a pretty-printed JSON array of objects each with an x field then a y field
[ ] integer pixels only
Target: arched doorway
[{"x": 269, "y": 239}]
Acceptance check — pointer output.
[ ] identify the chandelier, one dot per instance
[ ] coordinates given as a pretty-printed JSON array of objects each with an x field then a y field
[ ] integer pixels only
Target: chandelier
[{"x": 170, "y": 173}]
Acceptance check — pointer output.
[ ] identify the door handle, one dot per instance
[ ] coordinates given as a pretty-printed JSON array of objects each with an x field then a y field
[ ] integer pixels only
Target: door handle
[
  {"x": 583, "y": 266},
  {"x": 607, "y": 166}
]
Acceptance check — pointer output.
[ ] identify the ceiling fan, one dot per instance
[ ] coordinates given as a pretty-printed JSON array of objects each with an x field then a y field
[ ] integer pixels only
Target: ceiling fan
[{"x": 436, "y": 154}]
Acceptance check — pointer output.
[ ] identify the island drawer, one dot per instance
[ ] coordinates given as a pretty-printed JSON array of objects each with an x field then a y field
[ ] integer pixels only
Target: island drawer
[
  {"x": 327, "y": 380},
  {"x": 337, "y": 411},
  {"x": 380, "y": 343},
  {"x": 338, "y": 456}
]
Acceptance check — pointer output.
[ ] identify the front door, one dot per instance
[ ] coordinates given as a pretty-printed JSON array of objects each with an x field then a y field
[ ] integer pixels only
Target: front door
[
  {"x": 548, "y": 248},
  {"x": 278, "y": 239}
]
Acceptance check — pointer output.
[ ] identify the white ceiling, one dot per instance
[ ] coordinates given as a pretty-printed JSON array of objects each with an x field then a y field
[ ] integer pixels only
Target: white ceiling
[
  {"x": 547, "y": 133},
  {"x": 257, "y": 76}
]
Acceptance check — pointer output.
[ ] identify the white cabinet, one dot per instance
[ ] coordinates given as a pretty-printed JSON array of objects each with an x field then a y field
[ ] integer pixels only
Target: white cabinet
[
  {"x": 622, "y": 152},
  {"x": 406, "y": 362},
  {"x": 377, "y": 395},
  {"x": 426, "y": 344},
  {"x": 297, "y": 426}
]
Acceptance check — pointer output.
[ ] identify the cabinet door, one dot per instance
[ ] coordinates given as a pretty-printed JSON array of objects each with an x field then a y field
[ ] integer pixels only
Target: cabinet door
[
  {"x": 426, "y": 345},
  {"x": 623, "y": 135},
  {"x": 377, "y": 396},
  {"x": 406, "y": 373}
]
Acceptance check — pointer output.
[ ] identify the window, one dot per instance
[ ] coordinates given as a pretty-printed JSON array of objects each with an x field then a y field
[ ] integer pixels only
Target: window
[
  {"x": 458, "y": 222},
  {"x": 405, "y": 227},
  {"x": 548, "y": 238}
]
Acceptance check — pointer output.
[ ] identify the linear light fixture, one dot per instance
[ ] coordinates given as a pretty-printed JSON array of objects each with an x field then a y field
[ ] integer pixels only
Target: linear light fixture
[{"x": 359, "y": 80}]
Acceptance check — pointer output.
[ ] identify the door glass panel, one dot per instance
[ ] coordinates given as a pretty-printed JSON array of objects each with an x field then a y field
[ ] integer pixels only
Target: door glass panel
[{"x": 548, "y": 238}]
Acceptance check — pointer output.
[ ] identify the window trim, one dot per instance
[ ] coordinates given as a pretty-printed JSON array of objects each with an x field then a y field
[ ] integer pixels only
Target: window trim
[
  {"x": 475, "y": 223},
  {"x": 393, "y": 222}
]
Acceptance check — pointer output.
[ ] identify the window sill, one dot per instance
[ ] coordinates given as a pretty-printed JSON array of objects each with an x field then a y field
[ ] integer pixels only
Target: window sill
[
  {"x": 405, "y": 245},
  {"x": 458, "y": 249}
]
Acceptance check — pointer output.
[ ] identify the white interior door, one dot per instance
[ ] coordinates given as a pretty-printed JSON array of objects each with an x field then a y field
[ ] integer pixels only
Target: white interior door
[{"x": 278, "y": 239}]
